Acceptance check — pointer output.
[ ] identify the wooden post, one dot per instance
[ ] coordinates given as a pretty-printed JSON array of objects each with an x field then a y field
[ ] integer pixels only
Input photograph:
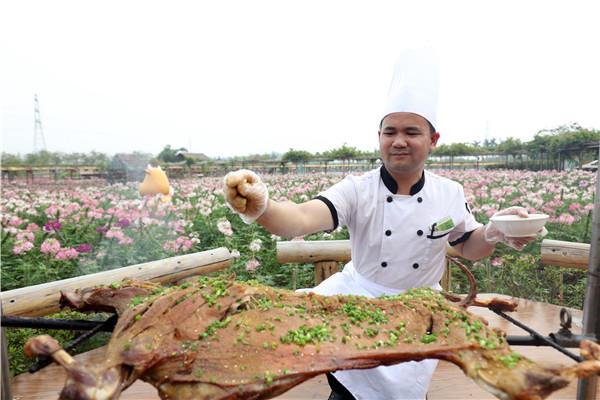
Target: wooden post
[
  {"x": 561, "y": 292},
  {"x": 324, "y": 269},
  {"x": 44, "y": 299},
  {"x": 294, "y": 277},
  {"x": 324, "y": 254},
  {"x": 446, "y": 281}
]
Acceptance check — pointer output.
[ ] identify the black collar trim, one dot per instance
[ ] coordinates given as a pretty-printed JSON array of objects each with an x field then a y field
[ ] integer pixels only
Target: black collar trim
[{"x": 392, "y": 186}]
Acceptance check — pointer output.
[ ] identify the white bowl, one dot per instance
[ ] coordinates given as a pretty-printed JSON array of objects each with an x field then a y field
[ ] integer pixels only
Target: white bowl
[{"x": 516, "y": 226}]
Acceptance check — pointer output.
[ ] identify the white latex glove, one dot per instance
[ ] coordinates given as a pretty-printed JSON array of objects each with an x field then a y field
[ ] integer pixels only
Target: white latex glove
[
  {"x": 246, "y": 194},
  {"x": 493, "y": 235}
]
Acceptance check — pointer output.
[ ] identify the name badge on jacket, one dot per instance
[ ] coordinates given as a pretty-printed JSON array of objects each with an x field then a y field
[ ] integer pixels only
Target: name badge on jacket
[{"x": 441, "y": 228}]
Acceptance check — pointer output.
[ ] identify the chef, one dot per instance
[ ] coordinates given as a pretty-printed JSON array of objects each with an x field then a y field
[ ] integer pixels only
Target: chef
[{"x": 400, "y": 218}]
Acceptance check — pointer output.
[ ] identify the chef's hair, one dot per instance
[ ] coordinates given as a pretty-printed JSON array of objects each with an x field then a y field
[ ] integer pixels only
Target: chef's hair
[{"x": 431, "y": 127}]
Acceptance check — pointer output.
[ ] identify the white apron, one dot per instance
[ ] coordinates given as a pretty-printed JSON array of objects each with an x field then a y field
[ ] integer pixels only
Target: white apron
[{"x": 408, "y": 380}]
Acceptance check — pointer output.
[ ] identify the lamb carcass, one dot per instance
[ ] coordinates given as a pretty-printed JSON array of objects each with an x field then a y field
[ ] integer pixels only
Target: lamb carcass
[{"x": 215, "y": 338}]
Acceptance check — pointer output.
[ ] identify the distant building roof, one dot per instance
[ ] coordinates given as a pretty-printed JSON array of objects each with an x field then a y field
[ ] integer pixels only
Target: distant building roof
[{"x": 195, "y": 156}]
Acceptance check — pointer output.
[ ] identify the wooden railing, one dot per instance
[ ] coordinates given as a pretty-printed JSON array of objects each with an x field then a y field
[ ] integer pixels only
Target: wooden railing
[
  {"x": 327, "y": 255},
  {"x": 43, "y": 299},
  {"x": 565, "y": 254}
]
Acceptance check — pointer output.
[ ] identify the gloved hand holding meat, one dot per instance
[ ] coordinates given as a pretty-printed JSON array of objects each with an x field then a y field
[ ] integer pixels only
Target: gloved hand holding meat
[
  {"x": 214, "y": 338},
  {"x": 246, "y": 194}
]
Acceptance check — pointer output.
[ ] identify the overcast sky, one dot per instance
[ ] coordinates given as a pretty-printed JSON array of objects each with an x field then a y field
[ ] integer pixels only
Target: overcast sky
[{"x": 242, "y": 77}]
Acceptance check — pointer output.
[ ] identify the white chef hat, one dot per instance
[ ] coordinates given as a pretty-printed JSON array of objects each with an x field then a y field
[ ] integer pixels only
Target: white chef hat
[{"x": 415, "y": 84}]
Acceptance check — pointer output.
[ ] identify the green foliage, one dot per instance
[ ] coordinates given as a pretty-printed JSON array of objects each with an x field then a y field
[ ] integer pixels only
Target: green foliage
[
  {"x": 569, "y": 140},
  {"x": 16, "y": 339},
  {"x": 45, "y": 158},
  {"x": 296, "y": 156},
  {"x": 511, "y": 146},
  {"x": 11, "y": 159},
  {"x": 454, "y": 149},
  {"x": 522, "y": 275},
  {"x": 342, "y": 153},
  {"x": 251, "y": 157},
  {"x": 167, "y": 154}
]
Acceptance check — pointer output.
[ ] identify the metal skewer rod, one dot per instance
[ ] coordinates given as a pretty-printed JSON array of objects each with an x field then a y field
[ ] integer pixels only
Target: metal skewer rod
[
  {"x": 539, "y": 337},
  {"x": 46, "y": 323},
  {"x": 110, "y": 322}
]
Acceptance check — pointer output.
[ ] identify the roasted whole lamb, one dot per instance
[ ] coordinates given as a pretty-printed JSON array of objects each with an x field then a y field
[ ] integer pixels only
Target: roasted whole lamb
[{"x": 215, "y": 338}]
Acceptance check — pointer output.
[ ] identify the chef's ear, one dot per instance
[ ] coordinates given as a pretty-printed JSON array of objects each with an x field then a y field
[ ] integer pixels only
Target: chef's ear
[{"x": 434, "y": 139}]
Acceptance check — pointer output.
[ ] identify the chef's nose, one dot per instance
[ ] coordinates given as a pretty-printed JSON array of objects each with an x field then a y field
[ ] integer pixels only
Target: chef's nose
[{"x": 399, "y": 141}]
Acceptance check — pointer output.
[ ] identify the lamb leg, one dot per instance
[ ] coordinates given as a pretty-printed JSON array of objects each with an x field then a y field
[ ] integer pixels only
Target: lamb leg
[{"x": 83, "y": 382}]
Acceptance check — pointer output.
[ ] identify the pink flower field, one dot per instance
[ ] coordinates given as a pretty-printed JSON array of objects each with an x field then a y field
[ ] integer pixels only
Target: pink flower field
[{"x": 55, "y": 234}]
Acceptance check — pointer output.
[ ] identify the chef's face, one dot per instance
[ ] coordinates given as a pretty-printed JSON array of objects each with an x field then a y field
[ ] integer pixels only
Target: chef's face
[{"x": 405, "y": 141}]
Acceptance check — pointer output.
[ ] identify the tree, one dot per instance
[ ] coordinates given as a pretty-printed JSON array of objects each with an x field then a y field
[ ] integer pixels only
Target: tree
[
  {"x": 453, "y": 150},
  {"x": 296, "y": 156},
  {"x": 510, "y": 146},
  {"x": 553, "y": 146},
  {"x": 343, "y": 153},
  {"x": 43, "y": 158},
  {"x": 490, "y": 145},
  {"x": 11, "y": 159},
  {"x": 168, "y": 154},
  {"x": 257, "y": 156},
  {"x": 96, "y": 158}
]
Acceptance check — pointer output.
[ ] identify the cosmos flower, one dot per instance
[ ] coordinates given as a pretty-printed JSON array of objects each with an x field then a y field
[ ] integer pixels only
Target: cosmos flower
[
  {"x": 52, "y": 226},
  {"x": 84, "y": 248},
  {"x": 252, "y": 265}
]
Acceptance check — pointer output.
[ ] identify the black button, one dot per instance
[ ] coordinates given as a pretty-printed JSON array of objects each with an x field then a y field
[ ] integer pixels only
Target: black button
[
  {"x": 384, "y": 264},
  {"x": 390, "y": 199},
  {"x": 415, "y": 265},
  {"x": 420, "y": 199},
  {"x": 420, "y": 232},
  {"x": 388, "y": 232}
]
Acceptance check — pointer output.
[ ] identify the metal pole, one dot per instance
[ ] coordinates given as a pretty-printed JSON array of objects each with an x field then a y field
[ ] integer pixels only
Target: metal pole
[
  {"x": 46, "y": 323},
  {"x": 6, "y": 392},
  {"x": 587, "y": 388}
]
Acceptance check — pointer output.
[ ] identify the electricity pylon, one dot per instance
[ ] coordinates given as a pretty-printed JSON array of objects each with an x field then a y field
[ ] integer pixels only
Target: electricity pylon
[{"x": 39, "y": 143}]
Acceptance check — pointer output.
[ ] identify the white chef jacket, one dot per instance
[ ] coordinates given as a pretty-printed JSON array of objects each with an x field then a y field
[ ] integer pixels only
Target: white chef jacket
[{"x": 396, "y": 245}]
